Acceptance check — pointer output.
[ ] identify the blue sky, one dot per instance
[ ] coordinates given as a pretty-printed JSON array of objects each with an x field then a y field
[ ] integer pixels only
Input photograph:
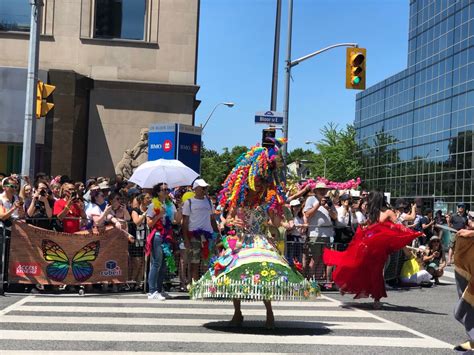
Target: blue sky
[{"x": 236, "y": 56}]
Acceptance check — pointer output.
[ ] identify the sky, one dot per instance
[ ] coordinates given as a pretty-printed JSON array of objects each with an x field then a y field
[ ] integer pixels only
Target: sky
[{"x": 235, "y": 63}]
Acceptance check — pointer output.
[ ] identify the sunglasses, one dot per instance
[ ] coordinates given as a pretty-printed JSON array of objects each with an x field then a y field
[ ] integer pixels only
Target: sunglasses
[
  {"x": 165, "y": 190},
  {"x": 12, "y": 186}
]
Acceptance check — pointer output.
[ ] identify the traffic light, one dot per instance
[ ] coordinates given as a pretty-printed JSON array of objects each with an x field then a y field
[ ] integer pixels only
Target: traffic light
[
  {"x": 355, "y": 68},
  {"x": 268, "y": 137},
  {"x": 42, "y": 92}
]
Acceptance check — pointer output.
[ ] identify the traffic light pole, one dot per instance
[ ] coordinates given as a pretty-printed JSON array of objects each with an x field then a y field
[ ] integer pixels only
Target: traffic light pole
[
  {"x": 29, "y": 132},
  {"x": 290, "y": 64}
]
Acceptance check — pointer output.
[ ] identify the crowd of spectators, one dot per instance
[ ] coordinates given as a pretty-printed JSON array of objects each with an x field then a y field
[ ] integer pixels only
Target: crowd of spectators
[{"x": 314, "y": 217}]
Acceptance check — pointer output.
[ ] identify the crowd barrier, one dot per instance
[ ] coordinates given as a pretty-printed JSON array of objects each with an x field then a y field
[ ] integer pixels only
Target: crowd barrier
[{"x": 137, "y": 264}]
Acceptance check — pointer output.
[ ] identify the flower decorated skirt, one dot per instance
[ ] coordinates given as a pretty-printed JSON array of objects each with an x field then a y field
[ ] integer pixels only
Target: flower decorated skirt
[{"x": 253, "y": 270}]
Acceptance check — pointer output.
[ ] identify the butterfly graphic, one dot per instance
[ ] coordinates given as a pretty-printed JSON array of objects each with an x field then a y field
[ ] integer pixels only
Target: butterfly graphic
[{"x": 82, "y": 269}]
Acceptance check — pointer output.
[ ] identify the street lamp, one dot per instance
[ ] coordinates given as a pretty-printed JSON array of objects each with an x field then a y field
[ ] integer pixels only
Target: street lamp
[
  {"x": 316, "y": 149},
  {"x": 228, "y": 104}
]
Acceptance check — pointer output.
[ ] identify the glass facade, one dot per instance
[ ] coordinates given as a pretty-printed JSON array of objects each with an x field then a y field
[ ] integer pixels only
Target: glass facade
[
  {"x": 415, "y": 129},
  {"x": 15, "y": 15}
]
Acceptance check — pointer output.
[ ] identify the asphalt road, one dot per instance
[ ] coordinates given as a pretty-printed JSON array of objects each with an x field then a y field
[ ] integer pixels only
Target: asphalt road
[{"x": 414, "y": 321}]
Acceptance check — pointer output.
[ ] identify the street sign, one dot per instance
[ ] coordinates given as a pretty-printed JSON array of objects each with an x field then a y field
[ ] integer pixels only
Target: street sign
[{"x": 269, "y": 117}]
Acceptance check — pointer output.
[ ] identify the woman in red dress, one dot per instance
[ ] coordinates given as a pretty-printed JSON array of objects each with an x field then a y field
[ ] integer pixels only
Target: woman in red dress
[{"x": 359, "y": 269}]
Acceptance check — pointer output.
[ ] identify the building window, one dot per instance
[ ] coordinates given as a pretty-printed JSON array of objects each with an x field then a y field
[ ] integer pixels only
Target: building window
[
  {"x": 122, "y": 19},
  {"x": 15, "y": 15}
]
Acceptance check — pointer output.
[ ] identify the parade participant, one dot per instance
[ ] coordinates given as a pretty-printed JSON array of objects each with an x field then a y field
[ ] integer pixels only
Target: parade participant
[
  {"x": 464, "y": 275},
  {"x": 161, "y": 215},
  {"x": 250, "y": 267},
  {"x": 199, "y": 226},
  {"x": 359, "y": 269}
]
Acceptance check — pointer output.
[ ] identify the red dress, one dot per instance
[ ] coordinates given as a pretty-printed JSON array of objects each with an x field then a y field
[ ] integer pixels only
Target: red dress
[{"x": 359, "y": 269}]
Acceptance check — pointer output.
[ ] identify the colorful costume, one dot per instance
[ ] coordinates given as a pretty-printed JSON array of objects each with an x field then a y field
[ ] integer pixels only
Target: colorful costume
[
  {"x": 464, "y": 274},
  {"x": 359, "y": 269},
  {"x": 250, "y": 266}
]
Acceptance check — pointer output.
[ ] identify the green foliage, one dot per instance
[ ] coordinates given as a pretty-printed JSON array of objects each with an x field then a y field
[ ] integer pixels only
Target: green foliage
[
  {"x": 215, "y": 167},
  {"x": 339, "y": 148}
]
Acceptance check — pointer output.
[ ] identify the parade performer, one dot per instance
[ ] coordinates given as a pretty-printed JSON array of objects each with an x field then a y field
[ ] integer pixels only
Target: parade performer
[
  {"x": 359, "y": 269},
  {"x": 250, "y": 267},
  {"x": 161, "y": 214},
  {"x": 464, "y": 275}
]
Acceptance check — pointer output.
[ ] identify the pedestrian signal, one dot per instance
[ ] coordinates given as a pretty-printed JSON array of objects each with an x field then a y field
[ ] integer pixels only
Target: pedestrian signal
[
  {"x": 43, "y": 91},
  {"x": 355, "y": 68},
  {"x": 268, "y": 137}
]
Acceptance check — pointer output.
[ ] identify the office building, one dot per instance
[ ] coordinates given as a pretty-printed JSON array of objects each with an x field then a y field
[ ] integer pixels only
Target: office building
[{"x": 415, "y": 128}]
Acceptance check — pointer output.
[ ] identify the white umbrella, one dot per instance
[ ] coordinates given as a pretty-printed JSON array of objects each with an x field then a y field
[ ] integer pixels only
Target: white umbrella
[{"x": 170, "y": 171}]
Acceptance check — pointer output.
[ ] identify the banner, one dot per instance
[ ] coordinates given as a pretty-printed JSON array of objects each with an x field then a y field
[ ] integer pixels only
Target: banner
[{"x": 40, "y": 256}]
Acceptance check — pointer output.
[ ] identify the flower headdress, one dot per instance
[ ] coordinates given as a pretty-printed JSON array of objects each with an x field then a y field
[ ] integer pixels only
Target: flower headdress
[{"x": 258, "y": 163}]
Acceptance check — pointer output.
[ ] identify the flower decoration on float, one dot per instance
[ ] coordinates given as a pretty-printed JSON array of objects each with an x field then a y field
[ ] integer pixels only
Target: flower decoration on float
[{"x": 351, "y": 184}]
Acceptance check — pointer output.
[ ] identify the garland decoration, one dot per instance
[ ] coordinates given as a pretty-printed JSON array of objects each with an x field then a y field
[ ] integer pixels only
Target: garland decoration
[
  {"x": 256, "y": 166},
  {"x": 346, "y": 185},
  {"x": 166, "y": 231}
]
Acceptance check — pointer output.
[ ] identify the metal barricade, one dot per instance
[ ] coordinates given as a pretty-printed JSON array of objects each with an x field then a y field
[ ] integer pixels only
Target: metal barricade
[{"x": 4, "y": 244}]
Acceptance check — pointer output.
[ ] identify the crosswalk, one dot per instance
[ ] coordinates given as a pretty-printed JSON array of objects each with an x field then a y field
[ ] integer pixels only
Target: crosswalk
[{"x": 131, "y": 323}]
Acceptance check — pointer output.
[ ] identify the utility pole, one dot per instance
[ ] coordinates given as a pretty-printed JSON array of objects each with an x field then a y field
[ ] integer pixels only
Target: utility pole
[
  {"x": 29, "y": 132},
  {"x": 276, "y": 55},
  {"x": 287, "y": 78}
]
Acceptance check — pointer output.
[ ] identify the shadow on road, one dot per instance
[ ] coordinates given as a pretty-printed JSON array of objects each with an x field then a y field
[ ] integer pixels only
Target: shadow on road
[
  {"x": 281, "y": 328},
  {"x": 390, "y": 308}
]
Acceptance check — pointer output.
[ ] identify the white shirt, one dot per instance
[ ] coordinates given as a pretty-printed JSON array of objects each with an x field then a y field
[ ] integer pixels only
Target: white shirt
[
  {"x": 343, "y": 216},
  {"x": 361, "y": 219},
  {"x": 93, "y": 210},
  {"x": 199, "y": 212},
  {"x": 151, "y": 211},
  {"x": 320, "y": 221}
]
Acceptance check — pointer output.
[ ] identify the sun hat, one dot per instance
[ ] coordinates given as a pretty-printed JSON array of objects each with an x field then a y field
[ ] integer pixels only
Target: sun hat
[
  {"x": 294, "y": 203},
  {"x": 321, "y": 185}
]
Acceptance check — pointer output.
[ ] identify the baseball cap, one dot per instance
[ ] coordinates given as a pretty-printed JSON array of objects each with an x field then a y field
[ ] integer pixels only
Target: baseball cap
[
  {"x": 200, "y": 183},
  {"x": 345, "y": 197},
  {"x": 104, "y": 185},
  {"x": 295, "y": 203},
  {"x": 461, "y": 204}
]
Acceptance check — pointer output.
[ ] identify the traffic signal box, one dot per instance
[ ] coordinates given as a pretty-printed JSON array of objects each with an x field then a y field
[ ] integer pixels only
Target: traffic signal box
[
  {"x": 266, "y": 134},
  {"x": 42, "y": 92},
  {"x": 355, "y": 68}
]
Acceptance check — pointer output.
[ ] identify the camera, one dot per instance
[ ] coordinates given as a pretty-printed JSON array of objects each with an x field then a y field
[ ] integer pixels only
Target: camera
[
  {"x": 73, "y": 195},
  {"x": 329, "y": 202},
  {"x": 42, "y": 193}
]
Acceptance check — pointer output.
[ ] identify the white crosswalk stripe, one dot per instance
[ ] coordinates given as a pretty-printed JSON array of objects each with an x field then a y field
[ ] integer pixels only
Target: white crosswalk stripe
[{"x": 59, "y": 324}]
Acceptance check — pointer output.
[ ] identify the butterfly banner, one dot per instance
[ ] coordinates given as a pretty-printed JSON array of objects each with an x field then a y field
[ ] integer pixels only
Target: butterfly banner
[{"x": 40, "y": 256}]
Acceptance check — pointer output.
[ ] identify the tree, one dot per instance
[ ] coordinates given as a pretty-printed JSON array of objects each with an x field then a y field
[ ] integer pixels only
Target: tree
[
  {"x": 215, "y": 167},
  {"x": 339, "y": 149}
]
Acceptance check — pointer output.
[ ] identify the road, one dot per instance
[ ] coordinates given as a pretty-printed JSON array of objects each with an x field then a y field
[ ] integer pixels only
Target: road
[{"x": 412, "y": 321}]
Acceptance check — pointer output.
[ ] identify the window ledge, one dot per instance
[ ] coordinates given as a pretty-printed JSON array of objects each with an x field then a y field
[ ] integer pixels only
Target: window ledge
[
  {"x": 24, "y": 35},
  {"x": 119, "y": 42}
]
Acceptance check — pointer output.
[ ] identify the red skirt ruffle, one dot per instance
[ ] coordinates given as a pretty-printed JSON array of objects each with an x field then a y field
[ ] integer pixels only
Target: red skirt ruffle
[{"x": 359, "y": 269}]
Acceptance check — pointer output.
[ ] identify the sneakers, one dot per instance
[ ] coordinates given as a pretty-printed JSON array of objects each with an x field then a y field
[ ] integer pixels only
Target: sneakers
[
  {"x": 155, "y": 296},
  {"x": 165, "y": 295}
]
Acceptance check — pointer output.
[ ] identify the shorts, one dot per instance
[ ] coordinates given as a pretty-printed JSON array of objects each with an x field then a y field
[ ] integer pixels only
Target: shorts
[
  {"x": 195, "y": 251},
  {"x": 316, "y": 246}
]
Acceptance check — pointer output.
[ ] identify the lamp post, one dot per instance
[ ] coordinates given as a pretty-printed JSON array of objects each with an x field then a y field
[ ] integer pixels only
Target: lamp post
[
  {"x": 316, "y": 151},
  {"x": 228, "y": 104}
]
